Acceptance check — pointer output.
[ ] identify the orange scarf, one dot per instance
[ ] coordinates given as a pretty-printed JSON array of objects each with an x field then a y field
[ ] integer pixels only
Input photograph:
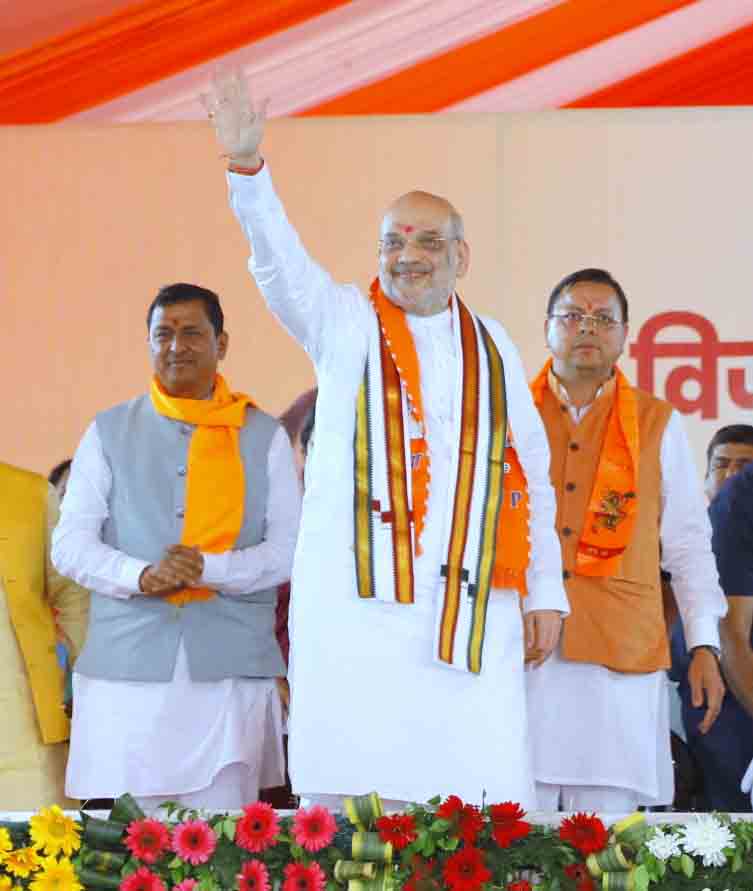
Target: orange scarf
[
  {"x": 215, "y": 480},
  {"x": 512, "y": 552},
  {"x": 613, "y": 505}
]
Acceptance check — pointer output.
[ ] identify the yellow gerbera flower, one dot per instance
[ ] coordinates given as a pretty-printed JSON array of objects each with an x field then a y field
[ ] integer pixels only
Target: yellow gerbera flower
[
  {"x": 6, "y": 843},
  {"x": 22, "y": 862},
  {"x": 6, "y": 883},
  {"x": 55, "y": 833},
  {"x": 56, "y": 875}
]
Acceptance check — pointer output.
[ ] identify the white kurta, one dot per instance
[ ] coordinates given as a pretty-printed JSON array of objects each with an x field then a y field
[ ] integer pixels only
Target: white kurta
[
  {"x": 592, "y": 726},
  {"x": 164, "y": 739},
  {"x": 371, "y": 709}
]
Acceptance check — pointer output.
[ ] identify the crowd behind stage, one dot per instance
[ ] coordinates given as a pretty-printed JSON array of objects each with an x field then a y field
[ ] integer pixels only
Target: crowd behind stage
[{"x": 429, "y": 576}]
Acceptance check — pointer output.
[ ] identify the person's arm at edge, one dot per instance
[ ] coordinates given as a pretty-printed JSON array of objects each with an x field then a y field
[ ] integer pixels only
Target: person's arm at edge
[
  {"x": 686, "y": 553},
  {"x": 69, "y": 600},
  {"x": 78, "y": 551},
  {"x": 737, "y": 654}
]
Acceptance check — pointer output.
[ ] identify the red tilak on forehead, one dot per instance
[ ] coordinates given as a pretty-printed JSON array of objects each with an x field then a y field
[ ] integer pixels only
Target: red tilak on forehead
[{"x": 406, "y": 229}]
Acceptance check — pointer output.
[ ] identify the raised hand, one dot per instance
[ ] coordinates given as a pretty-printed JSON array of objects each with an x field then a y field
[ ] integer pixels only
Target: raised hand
[{"x": 238, "y": 124}]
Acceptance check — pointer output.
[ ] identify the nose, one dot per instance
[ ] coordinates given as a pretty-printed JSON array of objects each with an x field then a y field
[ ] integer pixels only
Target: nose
[{"x": 588, "y": 323}]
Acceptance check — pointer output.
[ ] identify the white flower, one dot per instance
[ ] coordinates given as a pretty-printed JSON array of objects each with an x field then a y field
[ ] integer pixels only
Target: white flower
[
  {"x": 707, "y": 837},
  {"x": 664, "y": 845}
]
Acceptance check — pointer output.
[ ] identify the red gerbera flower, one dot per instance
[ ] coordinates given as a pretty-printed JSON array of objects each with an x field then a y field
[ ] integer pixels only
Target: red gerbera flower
[
  {"x": 520, "y": 885},
  {"x": 304, "y": 878},
  {"x": 399, "y": 830},
  {"x": 253, "y": 876},
  {"x": 585, "y": 832},
  {"x": 465, "y": 870},
  {"x": 580, "y": 875},
  {"x": 194, "y": 841},
  {"x": 147, "y": 840},
  {"x": 142, "y": 880},
  {"x": 466, "y": 820},
  {"x": 508, "y": 824},
  {"x": 257, "y": 828},
  {"x": 315, "y": 828},
  {"x": 422, "y": 878}
]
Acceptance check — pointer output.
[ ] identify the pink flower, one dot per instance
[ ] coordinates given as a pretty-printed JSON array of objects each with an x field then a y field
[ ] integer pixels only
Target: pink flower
[
  {"x": 194, "y": 841},
  {"x": 142, "y": 880},
  {"x": 257, "y": 828},
  {"x": 253, "y": 876},
  {"x": 315, "y": 828},
  {"x": 147, "y": 840},
  {"x": 186, "y": 885},
  {"x": 304, "y": 878}
]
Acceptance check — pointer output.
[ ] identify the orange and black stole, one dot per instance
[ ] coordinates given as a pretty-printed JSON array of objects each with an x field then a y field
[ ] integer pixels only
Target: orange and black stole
[
  {"x": 398, "y": 512},
  {"x": 455, "y": 571}
]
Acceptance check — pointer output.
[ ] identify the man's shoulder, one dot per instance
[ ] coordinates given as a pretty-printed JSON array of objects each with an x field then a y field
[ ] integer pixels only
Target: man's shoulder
[
  {"x": 122, "y": 409},
  {"x": 650, "y": 404}
]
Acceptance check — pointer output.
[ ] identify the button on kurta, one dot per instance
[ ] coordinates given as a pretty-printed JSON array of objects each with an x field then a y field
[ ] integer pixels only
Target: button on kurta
[{"x": 181, "y": 470}]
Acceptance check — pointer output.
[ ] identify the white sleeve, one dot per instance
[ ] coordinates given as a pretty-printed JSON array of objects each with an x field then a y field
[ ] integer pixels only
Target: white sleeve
[
  {"x": 546, "y": 589},
  {"x": 685, "y": 534},
  {"x": 78, "y": 551},
  {"x": 298, "y": 291},
  {"x": 268, "y": 563}
]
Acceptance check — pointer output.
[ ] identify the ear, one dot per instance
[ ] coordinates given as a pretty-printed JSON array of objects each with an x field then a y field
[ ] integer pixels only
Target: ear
[
  {"x": 222, "y": 344},
  {"x": 464, "y": 258}
]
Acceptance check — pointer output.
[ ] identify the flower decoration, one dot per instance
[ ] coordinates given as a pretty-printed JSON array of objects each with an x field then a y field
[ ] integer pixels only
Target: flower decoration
[
  {"x": 142, "y": 880},
  {"x": 194, "y": 841},
  {"x": 466, "y": 871},
  {"x": 53, "y": 832},
  {"x": 465, "y": 820},
  {"x": 257, "y": 829},
  {"x": 56, "y": 875},
  {"x": 521, "y": 885},
  {"x": 6, "y": 843},
  {"x": 580, "y": 875},
  {"x": 186, "y": 885},
  {"x": 423, "y": 877},
  {"x": 314, "y": 829},
  {"x": 253, "y": 876},
  {"x": 585, "y": 832},
  {"x": 707, "y": 837},
  {"x": 147, "y": 840},
  {"x": 22, "y": 862},
  {"x": 664, "y": 845},
  {"x": 298, "y": 877},
  {"x": 397, "y": 829},
  {"x": 508, "y": 824}
]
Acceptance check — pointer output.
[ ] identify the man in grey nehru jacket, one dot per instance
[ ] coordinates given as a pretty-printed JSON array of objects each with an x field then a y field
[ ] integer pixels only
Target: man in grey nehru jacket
[{"x": 181, "y": 517}]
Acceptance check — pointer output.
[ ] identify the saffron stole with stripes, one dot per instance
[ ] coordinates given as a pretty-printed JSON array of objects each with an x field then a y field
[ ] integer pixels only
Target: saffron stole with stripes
[{"x": 384, "y": 534}]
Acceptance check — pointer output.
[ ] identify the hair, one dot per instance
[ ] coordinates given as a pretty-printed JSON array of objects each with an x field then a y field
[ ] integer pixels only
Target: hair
[
  {"x": 59, "y": 471},
  {"x": 182, "y": 292},
  {"x": 295, "y": 415},
  {"x": 307, "y": 429},
  {"x": 742, "y": 433},
  {"x": 594, "y": 276}
]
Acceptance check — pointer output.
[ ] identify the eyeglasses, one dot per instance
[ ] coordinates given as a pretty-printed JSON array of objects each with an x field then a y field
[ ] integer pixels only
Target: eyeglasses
[
  {"x": 432, "y": 244},
  {"x": 600, "y": 321}
]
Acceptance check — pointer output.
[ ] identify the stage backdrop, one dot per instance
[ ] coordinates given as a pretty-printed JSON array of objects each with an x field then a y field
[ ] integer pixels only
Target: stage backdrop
[{"x": 96, "y": 219}]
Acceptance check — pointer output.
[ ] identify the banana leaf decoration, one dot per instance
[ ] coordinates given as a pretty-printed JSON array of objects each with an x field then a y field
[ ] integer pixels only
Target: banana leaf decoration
[
  {"x": 106, "y": 854},
  {"x": 371, "y": 867},
  {"x": 614, "y": 865}
]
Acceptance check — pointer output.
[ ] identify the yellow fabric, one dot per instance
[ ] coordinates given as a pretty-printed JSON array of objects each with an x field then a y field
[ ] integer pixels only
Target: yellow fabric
[
  {"x": 32, "y": 751},
  {"x": 215, "y": 481}
]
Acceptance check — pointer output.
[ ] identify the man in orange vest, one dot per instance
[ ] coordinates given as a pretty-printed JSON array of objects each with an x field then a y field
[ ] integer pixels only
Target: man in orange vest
[
  {"x": 623, "y": 474},
  {"x": 32, "y": 594}
]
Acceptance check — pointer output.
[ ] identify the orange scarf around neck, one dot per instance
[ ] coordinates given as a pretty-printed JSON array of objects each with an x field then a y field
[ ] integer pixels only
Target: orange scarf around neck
[
  {"x": 613, "y": 505},
  {"x": 215, "y": 479},
  {"x": 513, "y": 548}
]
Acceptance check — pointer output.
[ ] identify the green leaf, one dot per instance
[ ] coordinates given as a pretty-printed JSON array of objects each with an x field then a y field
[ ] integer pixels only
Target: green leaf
[
  {"x": 175, "y": 862},
  {"x": 228, "y": 828},
  {"x": 687, "y": 866},
  {"x": 434, "y": 801},
  {"x": 641, "y": 879},
  {"x": 737, "y": 862},
  {"x": 439, "y": 826}
]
